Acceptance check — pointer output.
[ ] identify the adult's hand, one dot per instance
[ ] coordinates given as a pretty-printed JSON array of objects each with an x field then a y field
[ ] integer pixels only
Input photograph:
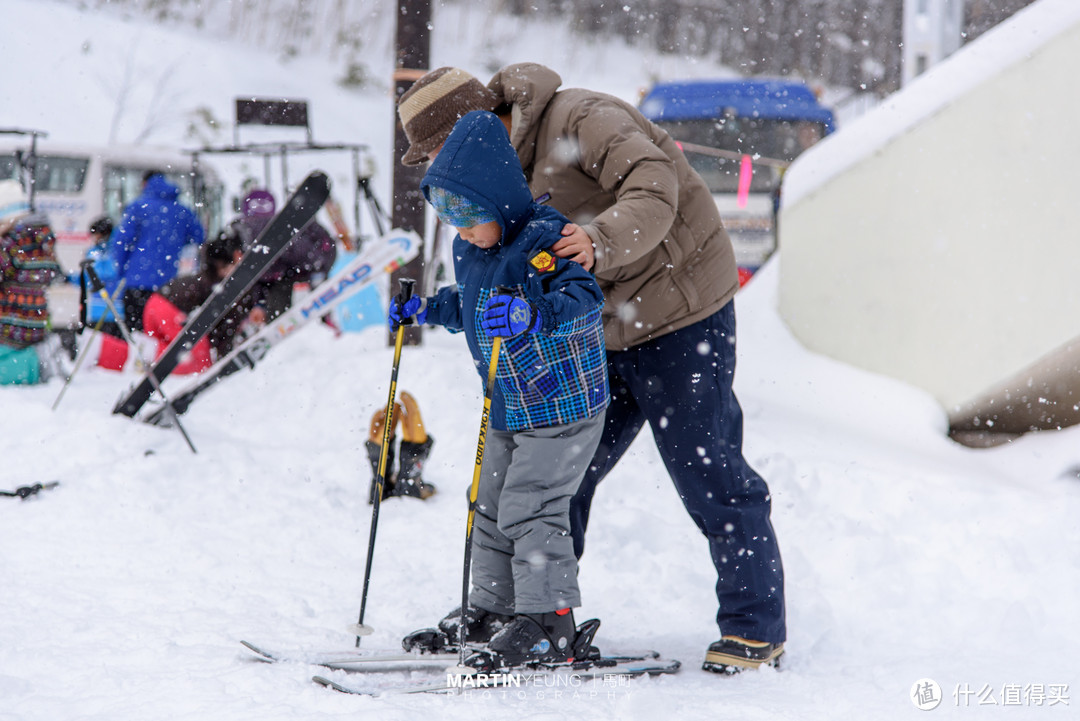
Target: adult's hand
[{"x": 576, "y": 245}]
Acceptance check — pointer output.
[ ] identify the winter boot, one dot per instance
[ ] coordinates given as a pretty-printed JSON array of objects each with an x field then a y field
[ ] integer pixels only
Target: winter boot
[
  {"x": 732, "y": 654},
  {"x": 533, "y": 638},
  {"x": 409, "y": 482},
  {"x": 415, "y": 448},
  {"x": 374, "y": 450},
  {"x": 481, "y": 625}
]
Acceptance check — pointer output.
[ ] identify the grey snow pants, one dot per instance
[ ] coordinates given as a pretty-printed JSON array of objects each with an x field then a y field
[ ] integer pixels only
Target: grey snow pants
[{"x": 523, "y": 556}]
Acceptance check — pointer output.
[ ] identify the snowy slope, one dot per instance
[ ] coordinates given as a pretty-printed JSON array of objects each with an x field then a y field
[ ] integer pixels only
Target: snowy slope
[{"x": 124, "y": 592}]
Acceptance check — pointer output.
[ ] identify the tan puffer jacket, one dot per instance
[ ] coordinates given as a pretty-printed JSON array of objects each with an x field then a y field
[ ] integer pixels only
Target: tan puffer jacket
[{"x": 663, "y": 258}]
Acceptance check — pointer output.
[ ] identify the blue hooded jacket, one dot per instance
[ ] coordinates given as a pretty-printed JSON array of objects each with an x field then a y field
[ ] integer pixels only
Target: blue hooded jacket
[
  {"x": 557, "y": 375},
  {"x": 146, "y": 245}
]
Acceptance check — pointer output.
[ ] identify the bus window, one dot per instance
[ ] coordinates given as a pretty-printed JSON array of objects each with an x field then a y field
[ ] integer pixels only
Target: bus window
[
  {"x": 9, "y": 167},
  {"x": 58, "y": 174},
  {"x": 122, "y": 184},
  {"x": 53, "y": 173}
]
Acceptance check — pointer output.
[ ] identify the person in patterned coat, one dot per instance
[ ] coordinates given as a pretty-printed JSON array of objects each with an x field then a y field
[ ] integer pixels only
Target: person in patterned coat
[{"x": 27, "y": 267}]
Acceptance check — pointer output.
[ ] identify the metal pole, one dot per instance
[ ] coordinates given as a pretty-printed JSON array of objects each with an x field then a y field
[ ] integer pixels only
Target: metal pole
[
  {"x": 86, "y": 348},
  {"x": 99, "y": 287},
  {"x": 356, "y": 195}
]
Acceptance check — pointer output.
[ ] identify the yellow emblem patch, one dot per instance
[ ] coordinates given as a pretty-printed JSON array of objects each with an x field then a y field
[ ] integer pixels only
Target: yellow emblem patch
[{"x": 543, "y": 261}]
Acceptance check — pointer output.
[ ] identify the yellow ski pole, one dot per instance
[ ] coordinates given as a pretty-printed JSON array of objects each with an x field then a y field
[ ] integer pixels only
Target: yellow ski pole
[{"x": 485, "y": 421}]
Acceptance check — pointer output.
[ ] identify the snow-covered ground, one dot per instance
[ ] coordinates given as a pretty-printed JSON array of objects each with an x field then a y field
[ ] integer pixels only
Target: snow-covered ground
[{"x": 124, "y": 592}]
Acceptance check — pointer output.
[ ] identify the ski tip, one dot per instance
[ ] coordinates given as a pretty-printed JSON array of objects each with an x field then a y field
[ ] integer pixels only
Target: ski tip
[
  {"x": 329, "y": 683},
  {"x": 318, "y": 181},
  {"x": 360, "y": 629},
  {"x": 259, "y": 653}
]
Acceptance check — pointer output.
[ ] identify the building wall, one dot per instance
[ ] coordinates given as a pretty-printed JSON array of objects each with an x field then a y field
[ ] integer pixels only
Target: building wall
[{"x": 946, "y": 255}]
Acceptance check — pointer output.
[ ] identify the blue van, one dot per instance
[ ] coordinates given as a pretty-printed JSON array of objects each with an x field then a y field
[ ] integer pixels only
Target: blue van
[{"x": 740, "y": 135}]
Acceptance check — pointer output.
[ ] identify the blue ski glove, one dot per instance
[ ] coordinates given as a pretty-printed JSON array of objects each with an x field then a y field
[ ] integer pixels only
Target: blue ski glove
[
  {"x": 413, "y": 312},
  {"x": 506, "y": 315}
]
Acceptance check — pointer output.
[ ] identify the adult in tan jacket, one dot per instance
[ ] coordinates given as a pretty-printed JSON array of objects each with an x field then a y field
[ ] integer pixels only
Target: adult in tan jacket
[{"x": 646, "y": 225}]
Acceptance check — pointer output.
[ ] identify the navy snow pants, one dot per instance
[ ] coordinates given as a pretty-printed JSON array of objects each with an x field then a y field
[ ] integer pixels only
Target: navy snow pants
[{"x": 681, "y": 384}]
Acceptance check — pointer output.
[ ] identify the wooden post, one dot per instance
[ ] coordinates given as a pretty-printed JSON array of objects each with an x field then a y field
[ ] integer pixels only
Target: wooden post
[{"x": 413, "y": 58}]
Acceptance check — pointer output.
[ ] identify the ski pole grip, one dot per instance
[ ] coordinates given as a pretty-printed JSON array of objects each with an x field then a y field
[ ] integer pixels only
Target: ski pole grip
[
  {"x": 95, "y": 282},
  {"x": 406, "y": 291}
]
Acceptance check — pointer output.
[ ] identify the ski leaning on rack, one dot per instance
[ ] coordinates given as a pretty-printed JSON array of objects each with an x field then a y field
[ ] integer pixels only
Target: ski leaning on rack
[
  {"x": 539, "y": 676},
  {"x": 380, "y": 256},
  {"x": 297, "y": 212}
]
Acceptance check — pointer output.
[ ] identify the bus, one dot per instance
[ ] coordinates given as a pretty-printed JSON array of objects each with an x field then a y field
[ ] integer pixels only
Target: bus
[
  {"x": 74, "y": 184},
  {"x": 740, "y": 135}
]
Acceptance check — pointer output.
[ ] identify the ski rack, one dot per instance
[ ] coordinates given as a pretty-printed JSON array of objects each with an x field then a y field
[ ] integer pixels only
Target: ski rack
[
  {"x": 27, "y": 163},
  {"x": 362, "y": 172}
]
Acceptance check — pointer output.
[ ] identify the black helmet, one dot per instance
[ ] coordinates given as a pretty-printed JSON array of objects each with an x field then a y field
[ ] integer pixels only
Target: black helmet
[
  {"x": 102, "y": 226},
  {"x": 222, "y": 248}
]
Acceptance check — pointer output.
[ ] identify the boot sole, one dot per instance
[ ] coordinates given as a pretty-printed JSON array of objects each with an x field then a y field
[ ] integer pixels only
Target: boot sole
[{"x": 731, "y": 664}]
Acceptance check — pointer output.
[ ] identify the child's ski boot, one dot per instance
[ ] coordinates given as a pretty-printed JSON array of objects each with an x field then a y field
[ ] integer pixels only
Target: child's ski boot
[
  {"x": 481, "y": 625},
  {"x": 533, "y": 639}
]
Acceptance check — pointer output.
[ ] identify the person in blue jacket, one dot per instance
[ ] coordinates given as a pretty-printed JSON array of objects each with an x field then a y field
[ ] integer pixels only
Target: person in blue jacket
[
  {"x": 551, "y": 391},
  {"x": 147, "y": 244},
  {"x": 105, "y": 266}
]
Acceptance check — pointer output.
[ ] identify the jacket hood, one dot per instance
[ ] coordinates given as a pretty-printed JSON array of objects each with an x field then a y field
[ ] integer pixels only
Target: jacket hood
[
  {"x": 478, "y": 162},
  {"x": 528, "y": 88},
  {"x": 158, "y": 187}
]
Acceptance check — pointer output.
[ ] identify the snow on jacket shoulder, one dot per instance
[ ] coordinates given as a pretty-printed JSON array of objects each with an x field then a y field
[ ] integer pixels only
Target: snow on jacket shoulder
[
  {"x": 153, "y": 231},
  {"x": 559, "y": 374},
  {"x": 663, "y": 258}
]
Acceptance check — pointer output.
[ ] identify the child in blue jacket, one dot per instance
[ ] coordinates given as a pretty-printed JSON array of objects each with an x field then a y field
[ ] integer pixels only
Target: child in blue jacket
[{"x": 548, "y": 403}]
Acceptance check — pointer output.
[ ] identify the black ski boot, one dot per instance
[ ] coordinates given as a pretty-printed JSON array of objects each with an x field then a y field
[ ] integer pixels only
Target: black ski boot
[
  {"x": 481, "y": 625},
  {"x": 408, "y": 481},
  {"x": 415, "y": 449},
  {"x": 536, "y": 638}
]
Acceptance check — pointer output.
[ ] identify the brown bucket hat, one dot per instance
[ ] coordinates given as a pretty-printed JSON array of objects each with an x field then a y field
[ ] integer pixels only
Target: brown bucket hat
[{"x": 429, "y": 109}]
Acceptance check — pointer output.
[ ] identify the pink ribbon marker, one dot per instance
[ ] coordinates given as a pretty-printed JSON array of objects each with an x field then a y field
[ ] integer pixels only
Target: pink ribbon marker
[{"x": 746, "y": 174}]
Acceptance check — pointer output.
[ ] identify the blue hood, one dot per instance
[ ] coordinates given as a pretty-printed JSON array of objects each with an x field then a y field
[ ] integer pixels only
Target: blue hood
[
  {"x": 158, "y": 187},
  {"x": 478, "y": 162}
]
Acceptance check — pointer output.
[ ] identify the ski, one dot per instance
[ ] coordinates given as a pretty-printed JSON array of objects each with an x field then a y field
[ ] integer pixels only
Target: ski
[
  {"x": 354, "y": 660},
  {"x": 543, "y": 676},
  {"x": 393, "y": 251},
  {"x": 297, "y": 212},
  {"x": 363, "y": 660},
  {"x": 375, "y": 659}
]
